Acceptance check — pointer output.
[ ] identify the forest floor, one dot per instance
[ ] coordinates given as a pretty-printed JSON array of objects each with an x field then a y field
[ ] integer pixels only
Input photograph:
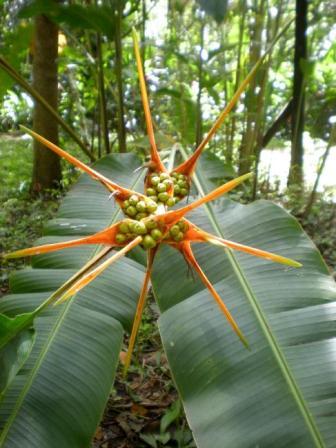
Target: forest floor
[{"x": 143, "y": 411}]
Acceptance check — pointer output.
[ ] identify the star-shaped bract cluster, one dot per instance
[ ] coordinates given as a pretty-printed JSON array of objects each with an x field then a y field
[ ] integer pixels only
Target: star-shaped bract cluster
[{"x": 148, "y": 221}]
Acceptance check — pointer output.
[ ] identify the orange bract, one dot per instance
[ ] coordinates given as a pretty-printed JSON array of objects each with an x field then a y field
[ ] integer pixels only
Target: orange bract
[{"x": 158, "y": 225}]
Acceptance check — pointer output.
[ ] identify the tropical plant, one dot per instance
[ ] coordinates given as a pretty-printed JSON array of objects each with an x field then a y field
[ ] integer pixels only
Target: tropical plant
[{"x": 57, "y": 373}]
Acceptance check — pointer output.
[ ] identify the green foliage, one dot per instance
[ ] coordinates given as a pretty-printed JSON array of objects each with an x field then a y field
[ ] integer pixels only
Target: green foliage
[
  {"x": 267, "y": 394},
  {"x": 97, "y": 18}
]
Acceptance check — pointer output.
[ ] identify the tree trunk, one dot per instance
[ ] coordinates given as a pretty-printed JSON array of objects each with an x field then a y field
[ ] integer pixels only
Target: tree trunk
[
  {"x": 118, "y": 71},
  {"x": 297, "y": 124},
  {"x": 47, "y": 167},
  {"x": 249, "y": 137}
]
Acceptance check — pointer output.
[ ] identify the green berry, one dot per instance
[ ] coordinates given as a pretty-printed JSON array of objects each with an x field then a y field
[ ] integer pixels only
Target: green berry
[
  {"x": 150, "y": 192},
  {"x": 126, "y": 204},
  {"x": 155, "y": 180},
  {"x": 151, "y": 224},
  {"x": 123, "y": 227},
  {"x": 184, "y": 192},
  {"x": 170, "y": 202},
  {"x": 177, "y": 189},
  {"x": 153, "y": 198},
  {"x": 156, "y": 234},
  {"x": 178, "y": 237},
  {"x": 174, "y": 230},
  {"x": 120, "y": 238},
  {"x": 174, "y": 175},
  {"x": 163, "y": 197},
  {"x": 140, "y": 228},
  {"x": 131, "y": 211},
  {"x": 148, "y": 242},
  {"x": 140, "y": 216},
  {"x": 141, "y": 206},
  {"x": 151, "y": 206},
  {"x": 183, "y": 226},
  {"x": 161, "y": 187},
  {"x": 134, "y": 199},
  {"x": 164, "y": 176},
  {"x": 181, "y": 183}
]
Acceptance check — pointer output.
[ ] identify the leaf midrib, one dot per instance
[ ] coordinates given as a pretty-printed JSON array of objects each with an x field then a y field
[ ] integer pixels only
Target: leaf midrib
[
  {"x": 49, "y": 341},
  {"x": 265, "y": 327}
]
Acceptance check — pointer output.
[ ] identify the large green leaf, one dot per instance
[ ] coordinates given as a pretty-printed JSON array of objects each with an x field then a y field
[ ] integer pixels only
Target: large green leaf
[
  {"x": 281, "y": 393},
  {"x": 58, "y": 397}
]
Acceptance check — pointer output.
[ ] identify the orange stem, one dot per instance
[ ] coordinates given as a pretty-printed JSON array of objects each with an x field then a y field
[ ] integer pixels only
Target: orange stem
[
  {"x": 189, "y": 256},
  {"x": 106, "y": 236},
  {"x": 89, "y": 277},
  {"x": 155, "y": 157},
  {"x": 140, "y": 308},
  {"x": 124, "y": 193}
]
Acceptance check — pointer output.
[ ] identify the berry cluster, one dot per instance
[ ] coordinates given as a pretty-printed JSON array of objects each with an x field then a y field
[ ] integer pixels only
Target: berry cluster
[
  {"x": 130, "y": 229},
  {"x": 138, "y": 208},
  {"x": 150, "y": 231},
  {"x": 160, "y": 183},
  {"x": 158, "y": 186},
  {"x": 177, "y": 231},
  {"x": 181, "y": 186}
]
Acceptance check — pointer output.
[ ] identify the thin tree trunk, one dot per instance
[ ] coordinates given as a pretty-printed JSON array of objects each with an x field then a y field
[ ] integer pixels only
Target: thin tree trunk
[
  {"x": 102, "y": 96},
  {"x": 248, "y": 140},
  {"x": 118, "y": 71},
  {"x": 47, "y": 167},
  {"x": 312, "y": 196},
  {"x": 300, "y": 55},
  {"x": 199, "y": 118},
  {"x": 242, "y": 9}
]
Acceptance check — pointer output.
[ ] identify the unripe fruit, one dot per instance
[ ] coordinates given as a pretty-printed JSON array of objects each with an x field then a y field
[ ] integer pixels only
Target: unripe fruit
[
  {"x": 183, "y": 226},
  {"x": 174, "y": 175},
  {"x": 150, "y": 192},
  {"x": 141, "y": 206},
  {"x": 151, "y": 224},
  {"x": 184, "y": 192},
  {"x": 177, "y": 189},
  {"x": 148, "y": 242},
  {"x": 131, "y": 211},
  {"x": 153, "y": 198},
  {"x": 123, "y": 227},
  {"x": 126, "y": 204},
  {"x": 170, "y": 202},
  {"x": 163, "y": 197},
  {"x": 151, "y": 206},
  {"x": 133, "y": 200},
  {"x": 174, "y": 230},
  {"x": 178, "y": 237},
  {"x": 164, "y": 176},
  {"x": 155, "y": 180},
  {"x": 156, "y": 234},
  {"x": 120, "y": 238},
  {"x": 161, "y": 187},
  {"x": 140, "y": 228},
  {"x": 140, "y": 216},
  {"x": 181, "y": 183}
]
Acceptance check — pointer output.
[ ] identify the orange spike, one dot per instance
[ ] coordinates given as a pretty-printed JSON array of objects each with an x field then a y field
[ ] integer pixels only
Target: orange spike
[
  {"x": 140, "y": 308},
  {"x": 189, "y": 256},
  {"x": 188, "y": 166},
  {"x": 155, "y": 157},
  {"x": 106, "y": 236},
  {"x": 173, "y": 216},
  {"x": 91, "y": 275},
  {"x": 123, "y": 193},
  {"x": 253, "y": 251},
  {"x": 197, "y": 235}
]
